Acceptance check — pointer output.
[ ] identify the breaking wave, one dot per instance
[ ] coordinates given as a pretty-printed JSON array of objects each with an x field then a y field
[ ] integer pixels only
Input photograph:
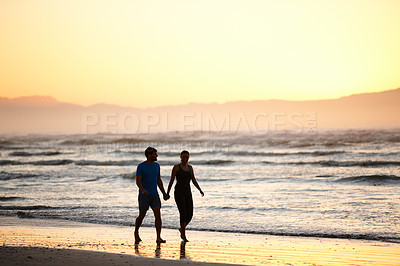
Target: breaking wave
[
  {"x": 374, "y": 179},
  {"x": 9, "y": 176},
  {"x": 352, "y": 163},
  {"x": 27, "y": 154},
  {"x": 27, "y": 208},
  {"x": 107, "y": 163},
  {"x": 332, "y": 163},
  {"x": 9, "y": 198}
]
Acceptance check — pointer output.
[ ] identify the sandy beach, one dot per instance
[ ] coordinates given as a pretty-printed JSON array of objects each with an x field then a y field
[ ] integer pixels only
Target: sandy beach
[{"x": 58, "y": 242}]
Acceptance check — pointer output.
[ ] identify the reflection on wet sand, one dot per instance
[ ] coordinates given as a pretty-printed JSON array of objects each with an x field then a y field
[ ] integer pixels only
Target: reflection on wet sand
[
  {"x": 158, "y": 251},
  {"x": 137, "y": 252},
  {"x": 183, "y": 250}
]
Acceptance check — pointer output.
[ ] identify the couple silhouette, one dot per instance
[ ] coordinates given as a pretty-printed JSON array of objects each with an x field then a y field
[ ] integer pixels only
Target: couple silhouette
[{"x": 148, "y": 178}]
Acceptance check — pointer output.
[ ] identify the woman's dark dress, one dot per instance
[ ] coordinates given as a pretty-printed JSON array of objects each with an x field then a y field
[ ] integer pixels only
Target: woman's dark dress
[{"x": 183, "y": 195}]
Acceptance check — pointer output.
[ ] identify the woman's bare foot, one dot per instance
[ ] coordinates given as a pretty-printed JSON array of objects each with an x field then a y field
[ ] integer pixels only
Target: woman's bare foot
[{"x": 183, "y": 235}]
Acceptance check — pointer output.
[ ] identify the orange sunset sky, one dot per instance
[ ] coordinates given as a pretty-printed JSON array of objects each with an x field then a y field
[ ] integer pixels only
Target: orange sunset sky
[{"x": 154, "y": 53}]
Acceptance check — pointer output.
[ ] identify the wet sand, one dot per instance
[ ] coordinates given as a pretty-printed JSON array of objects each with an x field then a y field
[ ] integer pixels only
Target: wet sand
[{"x": 57, "y": 242}]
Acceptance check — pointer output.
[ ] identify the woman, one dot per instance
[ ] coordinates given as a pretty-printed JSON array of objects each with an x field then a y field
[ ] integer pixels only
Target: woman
[{"x": 183, "y": 195}]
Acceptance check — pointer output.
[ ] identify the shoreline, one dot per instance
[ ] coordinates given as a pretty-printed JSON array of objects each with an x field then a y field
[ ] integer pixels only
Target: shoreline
[{"x": 37, "y": 236}]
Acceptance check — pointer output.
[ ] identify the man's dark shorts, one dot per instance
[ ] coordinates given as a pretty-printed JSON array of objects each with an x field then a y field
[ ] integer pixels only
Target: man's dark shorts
[{"x": 148, "y": 201}]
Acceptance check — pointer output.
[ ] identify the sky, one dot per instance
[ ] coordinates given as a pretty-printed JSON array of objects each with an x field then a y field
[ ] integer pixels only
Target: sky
[{"x": 155, "y": 53}]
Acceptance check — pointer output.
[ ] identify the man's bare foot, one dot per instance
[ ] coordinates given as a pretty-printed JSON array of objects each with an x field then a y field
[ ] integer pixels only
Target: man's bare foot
[
  {"x": 137, "y": 239},
  {"x": 160, "y": 240}
]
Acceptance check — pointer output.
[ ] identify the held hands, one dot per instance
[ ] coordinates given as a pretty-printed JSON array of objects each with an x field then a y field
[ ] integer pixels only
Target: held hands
[
  {"x": 145, "y": 192},
  {"x": 166, "y": 196}
]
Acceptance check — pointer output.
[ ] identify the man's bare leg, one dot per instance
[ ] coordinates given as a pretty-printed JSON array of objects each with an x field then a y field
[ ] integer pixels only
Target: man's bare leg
[
  {"x": 158, "y": 224},
  {"x": 138, "y": 223}
]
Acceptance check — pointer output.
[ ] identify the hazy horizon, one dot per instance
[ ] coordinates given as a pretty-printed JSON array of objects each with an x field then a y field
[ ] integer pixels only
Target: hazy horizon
[
  {"x": 44, "y": 114},
  {"x": 43, "y": 99}
]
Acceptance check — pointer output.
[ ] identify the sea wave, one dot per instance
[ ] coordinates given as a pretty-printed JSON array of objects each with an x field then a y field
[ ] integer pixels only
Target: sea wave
[
  {"x": 108, "y": 163},
  {"x": 128, "y": 175},
  {"x": 27, "y": 208},
  {"x": 272, "y": 154},
  {"x": 393, "y": 139},
  {"x": 52, "y": 162},
  {"x": 8, "y": 176},
  {"x": 22, "y": 214},
  {"x": 368, "y": 163},
  {"x": 6, "y": 142},
  {"x": 307, "y": 234},
  {"x": 332, "y": 163},
  {"x": 80, "y": 142},
  {"x": 5, "y": 198},
  {"x": 214, "y": 180},
  {"x": 128, "y": 140},
  {"x": 27, "y": 154},
  {"x": 213, "y": 162},
  {"x": 42, "y": 162},
  {"x": 374, "y": 179},
  {"x": 31, "y": 215},
  {"x": 9, "y": 162}
]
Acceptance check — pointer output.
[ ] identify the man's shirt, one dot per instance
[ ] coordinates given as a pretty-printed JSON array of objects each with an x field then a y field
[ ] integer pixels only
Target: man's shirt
[{"x": 149, "y": 174}]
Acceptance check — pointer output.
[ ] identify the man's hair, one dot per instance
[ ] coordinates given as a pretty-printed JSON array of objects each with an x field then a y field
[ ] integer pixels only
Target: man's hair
[
  {"x": 184, "y": 152},
  {"x": 149, "y": 151}
]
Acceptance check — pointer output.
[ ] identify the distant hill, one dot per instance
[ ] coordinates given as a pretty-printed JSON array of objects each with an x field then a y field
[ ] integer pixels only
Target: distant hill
[
  {"x": 43, "y": 114},
  {"x": 29, "y": 101}
]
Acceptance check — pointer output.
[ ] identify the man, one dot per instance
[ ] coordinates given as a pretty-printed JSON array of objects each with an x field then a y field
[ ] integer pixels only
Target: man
[{"x": 147, "y": 179}]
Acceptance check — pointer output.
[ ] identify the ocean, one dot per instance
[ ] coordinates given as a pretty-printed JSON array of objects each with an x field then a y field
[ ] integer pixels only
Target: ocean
[{"x": 336, "y": 183}]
